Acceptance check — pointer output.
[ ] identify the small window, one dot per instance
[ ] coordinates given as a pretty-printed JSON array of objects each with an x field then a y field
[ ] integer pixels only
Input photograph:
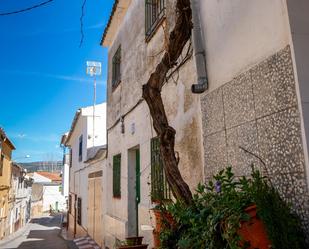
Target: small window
[
  {"x": 1, "y": 164},
  {"x": 79, "y": 211},
  {"x": 154, "y": 14},
  {"x": 70, "y": 204},
  {"x": 117, "y": 176},
  {"x": 80, "y": 150},
  {"x": 116, "y": 67},
  {"x": 160, "y": 190},
  {"x": 71, "y": 158}
]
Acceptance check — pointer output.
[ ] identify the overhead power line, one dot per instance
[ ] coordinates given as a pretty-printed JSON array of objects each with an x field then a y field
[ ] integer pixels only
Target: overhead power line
[
  {"x": 26, "y": 9},
  {"x": 82, "y": 23}
]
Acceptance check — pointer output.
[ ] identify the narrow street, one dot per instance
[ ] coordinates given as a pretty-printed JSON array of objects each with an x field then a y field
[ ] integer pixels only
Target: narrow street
[{"x": 40, "y": 233}]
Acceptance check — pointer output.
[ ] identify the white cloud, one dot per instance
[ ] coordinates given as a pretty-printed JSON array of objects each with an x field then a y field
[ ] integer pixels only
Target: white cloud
[{"x": 55, "y": 76}]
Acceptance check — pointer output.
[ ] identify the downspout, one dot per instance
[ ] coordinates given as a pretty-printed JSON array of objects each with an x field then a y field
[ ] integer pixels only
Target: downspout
[{"x": 199, "y": 50}]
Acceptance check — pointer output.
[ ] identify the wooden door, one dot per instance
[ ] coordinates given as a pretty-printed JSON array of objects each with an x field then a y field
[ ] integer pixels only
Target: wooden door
[
  {"x": 90, "y": 209},
  {"x": 98, "y": 229}
]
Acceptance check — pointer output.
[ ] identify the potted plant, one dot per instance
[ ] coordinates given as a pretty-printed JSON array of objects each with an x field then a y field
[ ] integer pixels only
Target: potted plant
[{"x": 234, "y": 213}]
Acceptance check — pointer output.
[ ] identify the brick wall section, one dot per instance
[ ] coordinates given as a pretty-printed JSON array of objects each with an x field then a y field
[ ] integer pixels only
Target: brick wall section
[{"x": 258, "y": 111}]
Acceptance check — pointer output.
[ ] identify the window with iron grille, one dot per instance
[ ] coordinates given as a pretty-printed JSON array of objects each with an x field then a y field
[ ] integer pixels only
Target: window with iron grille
[
  {"x": 1, "y": 164},
  {"x": 71, "y": 158},
  {"x": 79, "y": 211},
  {"x": 154, "y": 14},
  {"x": 70, "y": 204},
  {"x": 117, "y": 176},
  {"x": 80, "y": 150},
  {"x": 116, "y": 68},
  {"x": 160, "y": 190}
]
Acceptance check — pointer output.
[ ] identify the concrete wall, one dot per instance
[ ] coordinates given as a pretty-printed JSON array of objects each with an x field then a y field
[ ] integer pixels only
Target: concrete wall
[
  {"x": 239, "y": 34},
  {"x": 299, "y": 20},
  {"x": 253, "y": 99}
]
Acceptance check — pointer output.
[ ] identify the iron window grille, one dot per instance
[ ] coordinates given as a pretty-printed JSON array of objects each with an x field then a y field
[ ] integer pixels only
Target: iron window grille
[
  {"x": 80, "y": 149},
  {"x": 70, "y": 204},
  {"x": 160, "y": 190},
  {"x": 117, "y": 176},
  {"x": 1, "y": 164},
  {"x": 154, "y": 14},
  {"x": 116, "y": 68},
  {"x": 79, "y": 211}
]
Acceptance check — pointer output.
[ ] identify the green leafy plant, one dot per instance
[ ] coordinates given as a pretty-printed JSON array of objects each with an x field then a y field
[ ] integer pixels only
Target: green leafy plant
[{"x": 214, "y": 219}]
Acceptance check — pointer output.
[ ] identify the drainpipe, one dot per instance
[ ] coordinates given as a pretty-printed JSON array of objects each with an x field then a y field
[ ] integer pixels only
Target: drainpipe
[{"x": 199, "y": 50}]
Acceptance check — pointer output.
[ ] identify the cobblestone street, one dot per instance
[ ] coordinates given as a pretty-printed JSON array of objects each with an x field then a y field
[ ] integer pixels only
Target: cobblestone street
[{"x": 40, "y": 233}]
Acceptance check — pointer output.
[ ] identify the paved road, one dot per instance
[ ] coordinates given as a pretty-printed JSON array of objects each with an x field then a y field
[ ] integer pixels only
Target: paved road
[{"x": 41, "y": 233}]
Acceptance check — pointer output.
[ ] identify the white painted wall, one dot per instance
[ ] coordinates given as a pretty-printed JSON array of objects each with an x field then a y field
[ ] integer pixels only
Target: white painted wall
[
  {"x": 39, "y": 178},
  {"x": 78, "y": 183},
  {"x": 240, "y": 33},
  {"x": 51, "y": 195}
]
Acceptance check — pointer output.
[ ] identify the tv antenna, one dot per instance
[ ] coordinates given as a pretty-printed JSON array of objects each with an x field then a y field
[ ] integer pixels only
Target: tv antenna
[{"x": 94, "y": 68}]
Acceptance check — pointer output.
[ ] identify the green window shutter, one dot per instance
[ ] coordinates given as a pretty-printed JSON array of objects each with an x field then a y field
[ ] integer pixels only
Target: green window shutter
[
  {"x": 117, "y": 176},
  {"x": 160, "y": 190}
]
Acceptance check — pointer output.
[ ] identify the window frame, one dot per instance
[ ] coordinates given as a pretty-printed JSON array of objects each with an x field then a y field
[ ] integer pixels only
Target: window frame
[
  {"x": 160, "y": 190},
  {"x": 116, "y": 68},
  {"x": 79, "y": 211},
  {"x": 155, "y": 14},
  {"x": 80, "y": 149},
  {"x": 117, "y": 176},
  {"x": 1, "y": 163}
]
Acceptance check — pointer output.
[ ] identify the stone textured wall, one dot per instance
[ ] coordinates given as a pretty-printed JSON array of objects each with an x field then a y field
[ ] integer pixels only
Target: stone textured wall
[{"x": 258, "y": 111}]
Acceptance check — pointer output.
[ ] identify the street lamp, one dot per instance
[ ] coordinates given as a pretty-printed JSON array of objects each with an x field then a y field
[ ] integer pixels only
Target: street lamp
[{"x": 94, "y": 68}]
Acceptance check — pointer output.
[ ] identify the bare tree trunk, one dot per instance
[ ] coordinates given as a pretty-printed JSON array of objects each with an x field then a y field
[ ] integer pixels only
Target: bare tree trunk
[{"x": 152, "y": 94}]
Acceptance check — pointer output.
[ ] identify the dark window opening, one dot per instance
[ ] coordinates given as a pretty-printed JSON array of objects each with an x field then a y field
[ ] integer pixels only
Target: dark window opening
[
  {"x": 117, "y": 176},
  {"x": 116, "y": 67},
  {"x": 79, "y": 211},
  {"x": 80, "y": 151}
]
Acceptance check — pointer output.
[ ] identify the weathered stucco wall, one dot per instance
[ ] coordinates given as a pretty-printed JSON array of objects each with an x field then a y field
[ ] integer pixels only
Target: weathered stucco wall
[{"x": 137, "y": 63}]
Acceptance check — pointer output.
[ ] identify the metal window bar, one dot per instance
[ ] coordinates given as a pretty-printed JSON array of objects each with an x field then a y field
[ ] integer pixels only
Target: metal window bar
[
  {"x": 79, "y": 211},
  {"x": 154, "y": 12},
  {"x": 160, "y": 190},
  {"x": 116, "y": 68},
  {"x": 80, "y": 151},
  {"x": 117, "y": 176}
]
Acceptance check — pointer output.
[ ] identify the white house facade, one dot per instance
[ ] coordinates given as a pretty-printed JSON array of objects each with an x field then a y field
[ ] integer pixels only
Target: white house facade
[{"x": 87, "y": 160}]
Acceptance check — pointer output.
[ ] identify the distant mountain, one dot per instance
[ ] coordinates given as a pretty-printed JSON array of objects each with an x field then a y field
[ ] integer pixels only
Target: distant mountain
[{"x": 49, "y": 166}]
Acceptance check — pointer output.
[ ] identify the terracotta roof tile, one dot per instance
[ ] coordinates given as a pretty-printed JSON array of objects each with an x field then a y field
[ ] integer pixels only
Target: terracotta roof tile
[{"x": 55, "y": 177}]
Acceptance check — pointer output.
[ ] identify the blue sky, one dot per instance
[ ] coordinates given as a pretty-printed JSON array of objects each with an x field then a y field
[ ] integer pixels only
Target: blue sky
[{"x": 42, "y": 71}]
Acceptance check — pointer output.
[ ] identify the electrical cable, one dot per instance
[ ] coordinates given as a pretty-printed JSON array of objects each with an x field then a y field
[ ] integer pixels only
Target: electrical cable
[
  {"x": 26, "y": 9},
  {"x": 82, "y": 23}
]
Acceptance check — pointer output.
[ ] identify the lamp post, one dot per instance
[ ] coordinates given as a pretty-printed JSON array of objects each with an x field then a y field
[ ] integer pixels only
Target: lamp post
[{"x": 94, "y": 68}]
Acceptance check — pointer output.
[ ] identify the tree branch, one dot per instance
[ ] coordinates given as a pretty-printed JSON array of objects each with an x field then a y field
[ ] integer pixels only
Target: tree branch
[{"x": 178, "y": 38}]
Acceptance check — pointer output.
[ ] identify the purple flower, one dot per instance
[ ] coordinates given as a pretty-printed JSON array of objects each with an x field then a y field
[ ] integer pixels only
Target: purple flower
[{"x": 218, "y": 186}]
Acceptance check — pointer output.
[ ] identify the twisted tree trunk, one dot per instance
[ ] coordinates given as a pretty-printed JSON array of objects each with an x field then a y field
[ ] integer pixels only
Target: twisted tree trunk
[{"x": 178, "y": 38}]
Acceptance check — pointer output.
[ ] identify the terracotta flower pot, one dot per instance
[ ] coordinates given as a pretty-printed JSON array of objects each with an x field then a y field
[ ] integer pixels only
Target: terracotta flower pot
[
  {"x": 161, "y": 219},
  {"x": 253, "y": 231}
]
